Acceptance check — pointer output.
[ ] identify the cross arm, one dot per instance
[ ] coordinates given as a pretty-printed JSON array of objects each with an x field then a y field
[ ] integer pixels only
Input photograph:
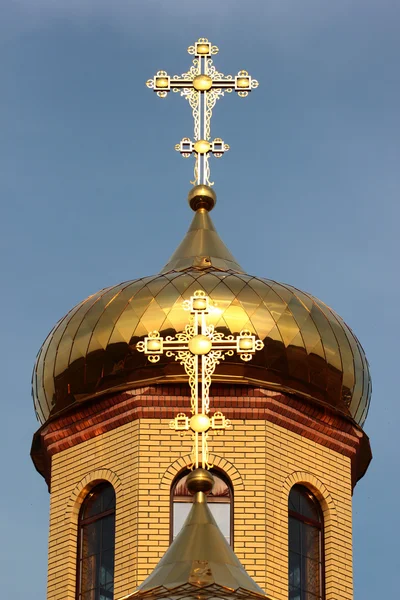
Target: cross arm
[
  {"x": 162, "y": 83},
  {"x": 242, "y": 83},
  {"x": 217, "y": 148},
  {"x": 154, "y": 345}
]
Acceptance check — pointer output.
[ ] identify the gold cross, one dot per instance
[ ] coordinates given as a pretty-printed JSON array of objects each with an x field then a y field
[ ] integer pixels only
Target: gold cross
[
  {"x": 199, "y": 348},
  {"x": 202, "y": 86}
]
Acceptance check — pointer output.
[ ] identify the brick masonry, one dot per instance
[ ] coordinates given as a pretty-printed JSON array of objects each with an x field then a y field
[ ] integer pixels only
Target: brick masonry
[{"x": 263, "y": 456}]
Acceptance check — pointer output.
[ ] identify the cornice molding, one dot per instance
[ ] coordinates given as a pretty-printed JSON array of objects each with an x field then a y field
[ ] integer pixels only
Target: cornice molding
[{"x": 307, "y": 419}]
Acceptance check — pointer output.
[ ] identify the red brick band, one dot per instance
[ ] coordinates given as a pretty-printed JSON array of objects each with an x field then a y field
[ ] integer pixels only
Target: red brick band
[{"x": 312, "y": 421}]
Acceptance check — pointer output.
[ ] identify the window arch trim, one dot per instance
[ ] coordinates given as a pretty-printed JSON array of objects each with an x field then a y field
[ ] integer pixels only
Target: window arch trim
[
  {"x": 316, "y": 487},
  {"x": 219, "y": 463},
  {"x": 85, "y": 486}
]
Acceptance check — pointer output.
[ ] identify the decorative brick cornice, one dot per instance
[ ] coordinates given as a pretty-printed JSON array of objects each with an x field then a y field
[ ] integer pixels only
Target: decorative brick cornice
[{"x": 312, "y": 421}]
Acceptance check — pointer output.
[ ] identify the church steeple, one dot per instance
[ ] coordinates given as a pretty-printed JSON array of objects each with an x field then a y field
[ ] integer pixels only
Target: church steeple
[
  {"x": 202, "y": 86},
  {"x": 291, "y": 391},
  {"x": 202, "y": 248}
]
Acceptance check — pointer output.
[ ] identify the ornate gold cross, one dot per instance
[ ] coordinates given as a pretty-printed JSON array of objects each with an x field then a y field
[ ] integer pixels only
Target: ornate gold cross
[
  {"x": 199, "y": 348},
  {"x": 202, "y": 86}
]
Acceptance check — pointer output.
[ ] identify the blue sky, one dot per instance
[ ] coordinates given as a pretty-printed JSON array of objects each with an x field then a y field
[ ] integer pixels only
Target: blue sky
[{"x": 93, "y": 193}]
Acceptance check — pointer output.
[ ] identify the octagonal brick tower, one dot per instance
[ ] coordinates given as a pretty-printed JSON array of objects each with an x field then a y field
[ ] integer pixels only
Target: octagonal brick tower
[{"x": 297, "y": 411}]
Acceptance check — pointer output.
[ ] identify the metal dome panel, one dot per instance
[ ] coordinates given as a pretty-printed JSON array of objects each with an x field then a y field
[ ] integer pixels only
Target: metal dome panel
[{"x": 308, "y": 349}]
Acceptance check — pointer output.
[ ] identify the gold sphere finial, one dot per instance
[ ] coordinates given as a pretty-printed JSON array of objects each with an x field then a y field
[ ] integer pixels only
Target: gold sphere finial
[
  {"x": 202, "y": 83},
  {"x": 202, "y": 196},
  {"x": 200, "y": 480}
]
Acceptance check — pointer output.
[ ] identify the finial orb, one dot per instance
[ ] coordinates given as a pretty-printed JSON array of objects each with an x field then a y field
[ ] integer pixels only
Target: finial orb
[
  {"x": 202, "y": 196},
  {"x": 200, "y": 480},
  {"x": 200, "y": 423},
  {"x": 200, "y": 344},
  {"x": 202, "y": 146},
  {"x": 202, "y": 83}
]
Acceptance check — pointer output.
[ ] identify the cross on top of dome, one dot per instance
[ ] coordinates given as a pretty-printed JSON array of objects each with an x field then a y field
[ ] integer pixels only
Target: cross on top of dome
[{"x": 202, "y": 85}]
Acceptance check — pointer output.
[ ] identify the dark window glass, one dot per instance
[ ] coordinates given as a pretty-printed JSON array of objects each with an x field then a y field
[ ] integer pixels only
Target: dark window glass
[
  {"x": 306, "y": 568},
  {"x": 220, "y": 502},
  {"x": 96, "y": 541}
]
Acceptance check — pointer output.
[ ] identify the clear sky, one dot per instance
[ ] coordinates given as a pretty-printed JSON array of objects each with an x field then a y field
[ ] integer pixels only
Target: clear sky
[{"x": 93, "y": 193}]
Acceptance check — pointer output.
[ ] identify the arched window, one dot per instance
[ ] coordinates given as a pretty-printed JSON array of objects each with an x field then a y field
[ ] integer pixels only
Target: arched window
[
  {"x": 306, "y": 560},
  {"x": 96, "y": 544},
  {"x": 220, "y": 501}
]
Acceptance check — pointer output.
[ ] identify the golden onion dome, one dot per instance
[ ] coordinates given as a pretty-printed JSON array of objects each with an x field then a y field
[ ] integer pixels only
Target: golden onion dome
[{"x": 308, "y": 349}]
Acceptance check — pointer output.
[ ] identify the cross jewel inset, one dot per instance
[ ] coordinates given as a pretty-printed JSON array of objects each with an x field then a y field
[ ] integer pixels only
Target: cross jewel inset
[
  {"x": 202, "y": 86},
  {"x": 199, "y": 348}
]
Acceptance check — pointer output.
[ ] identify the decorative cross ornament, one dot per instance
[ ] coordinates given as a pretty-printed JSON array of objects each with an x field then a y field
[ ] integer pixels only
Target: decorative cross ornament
[
  {"x": 199, "y": 348},
  {"x": 202, "y": 86}
]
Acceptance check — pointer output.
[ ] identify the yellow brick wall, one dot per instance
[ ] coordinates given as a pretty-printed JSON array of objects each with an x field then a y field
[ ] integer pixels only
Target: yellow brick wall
[{"x": 141, "y": 459}]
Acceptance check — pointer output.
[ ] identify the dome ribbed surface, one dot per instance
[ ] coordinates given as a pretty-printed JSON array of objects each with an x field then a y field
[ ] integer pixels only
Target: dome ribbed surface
[{"x": 308, "y": 349}]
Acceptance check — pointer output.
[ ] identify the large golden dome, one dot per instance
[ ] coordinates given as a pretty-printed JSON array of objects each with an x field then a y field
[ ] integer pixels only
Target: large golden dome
[{"x": 308, "y": 349}]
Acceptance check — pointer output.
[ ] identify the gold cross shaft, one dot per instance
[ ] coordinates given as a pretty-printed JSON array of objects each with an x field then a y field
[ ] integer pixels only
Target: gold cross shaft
[
  {"x": 199, "y": 348},
  {"x": 202, "y": 86}
]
